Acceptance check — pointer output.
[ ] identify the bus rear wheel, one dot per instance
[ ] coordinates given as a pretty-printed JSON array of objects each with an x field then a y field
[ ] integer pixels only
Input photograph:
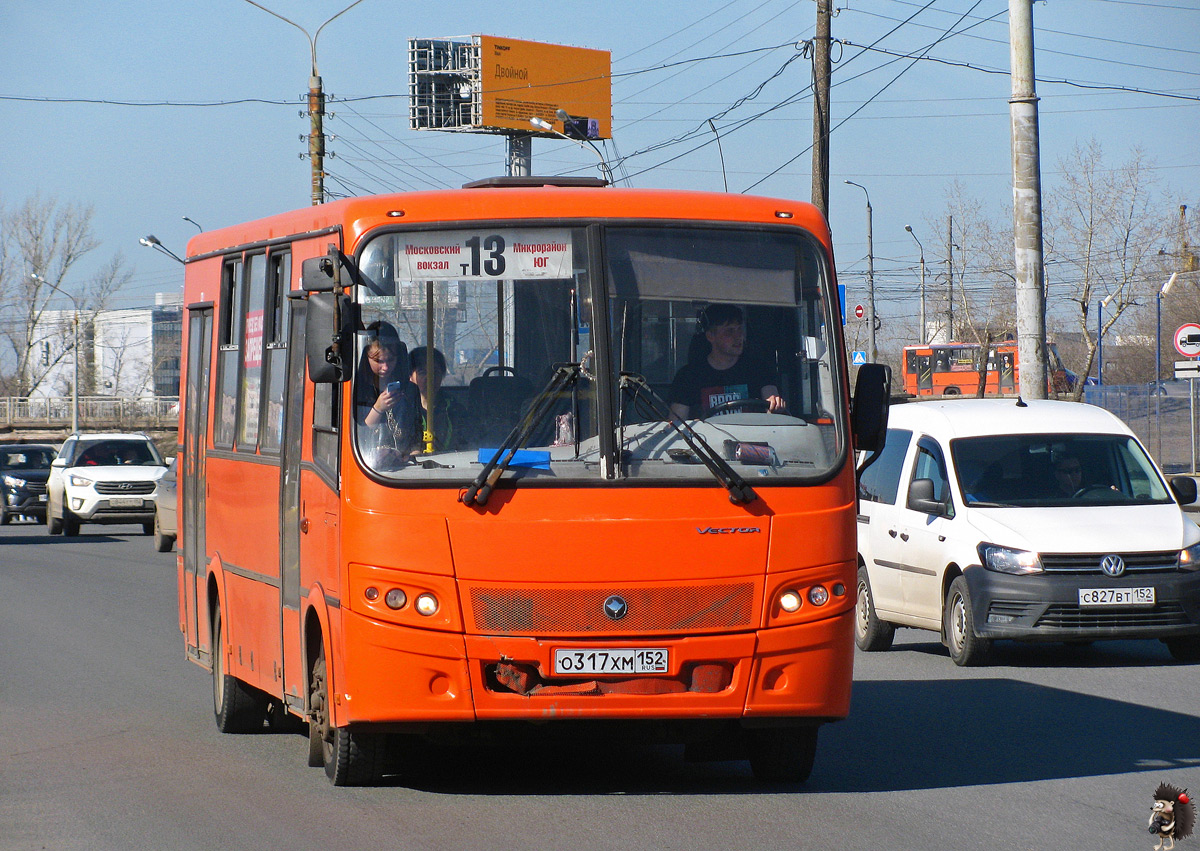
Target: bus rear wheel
[
  {"x": 350, "y": 758},
  {"x": 782, "y": 754},
  {"x": 237, "y": 708}
]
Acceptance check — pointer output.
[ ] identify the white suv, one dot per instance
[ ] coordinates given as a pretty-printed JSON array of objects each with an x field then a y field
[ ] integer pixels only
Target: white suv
[
  {"x": 989, "y": 519},
  {"x": 103, "y": 478}
]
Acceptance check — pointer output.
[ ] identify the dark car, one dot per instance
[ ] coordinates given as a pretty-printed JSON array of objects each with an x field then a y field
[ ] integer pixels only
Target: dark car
[{"x": 24, "y": 468}]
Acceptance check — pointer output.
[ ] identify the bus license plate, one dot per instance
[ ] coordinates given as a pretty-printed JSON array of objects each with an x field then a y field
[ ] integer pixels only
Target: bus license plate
[
  {"x": 1116, "y": 597},
  {"x": 593, "y": 660},
  {"x": 124, "y": 502}
]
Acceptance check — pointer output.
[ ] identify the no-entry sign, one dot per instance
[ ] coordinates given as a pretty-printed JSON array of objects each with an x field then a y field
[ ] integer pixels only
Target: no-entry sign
[{"x": 859, "y": 311}]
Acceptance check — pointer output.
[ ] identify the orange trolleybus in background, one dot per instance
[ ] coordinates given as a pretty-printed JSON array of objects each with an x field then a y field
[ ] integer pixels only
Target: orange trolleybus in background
[
  {"x": 952, "y": 369},
  {"x": 550, "y": 544}
]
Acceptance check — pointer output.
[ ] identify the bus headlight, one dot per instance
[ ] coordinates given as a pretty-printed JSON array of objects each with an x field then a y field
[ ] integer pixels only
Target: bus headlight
[
  {"x": 790, "y": 601},
  {"x": 427, "y": 605},
  {"x": 396, "y": 599},
  {"x": 818, "y": 595}
]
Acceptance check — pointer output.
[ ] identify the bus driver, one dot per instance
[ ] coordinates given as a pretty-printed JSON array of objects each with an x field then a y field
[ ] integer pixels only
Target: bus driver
[{"x": 723, "y": 376}]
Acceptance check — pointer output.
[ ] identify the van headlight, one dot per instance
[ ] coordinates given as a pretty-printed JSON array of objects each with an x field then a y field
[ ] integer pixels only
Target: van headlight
[
  {"x": 1189, "y": 557},
  {"x": 1008, "y": 560}
]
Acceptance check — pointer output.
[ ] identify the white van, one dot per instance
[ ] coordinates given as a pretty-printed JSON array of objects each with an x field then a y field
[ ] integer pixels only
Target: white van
[{"x": 991, "y": 519}]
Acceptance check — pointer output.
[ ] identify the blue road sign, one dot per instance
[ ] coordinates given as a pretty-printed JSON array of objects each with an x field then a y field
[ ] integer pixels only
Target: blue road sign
[{"x": 858, "y": 358}]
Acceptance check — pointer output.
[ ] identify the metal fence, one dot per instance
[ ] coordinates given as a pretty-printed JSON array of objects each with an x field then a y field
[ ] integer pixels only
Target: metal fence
[
  {"x": 1163, "y": 416},
  {"x": 53, "y": 411}
]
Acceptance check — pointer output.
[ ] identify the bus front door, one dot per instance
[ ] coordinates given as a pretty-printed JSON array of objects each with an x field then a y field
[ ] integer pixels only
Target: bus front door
[
  {"x": 924, "y": 374},
  {"x": 289, "y": 512}
]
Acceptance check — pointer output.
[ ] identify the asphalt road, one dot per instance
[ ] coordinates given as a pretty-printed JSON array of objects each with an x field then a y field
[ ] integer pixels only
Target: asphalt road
[{"x": 109, "y": 743}]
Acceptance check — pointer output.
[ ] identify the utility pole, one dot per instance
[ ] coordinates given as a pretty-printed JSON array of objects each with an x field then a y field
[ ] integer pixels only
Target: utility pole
[
  {"x": 1027, "y": 203},
  {"x": 924, "y": 327},
  {"x": 316, "y": 103},
  {"x": 874, "y": 352},
  {"x": 950, "y": 279},
  {"x": 821, "y": 77}
]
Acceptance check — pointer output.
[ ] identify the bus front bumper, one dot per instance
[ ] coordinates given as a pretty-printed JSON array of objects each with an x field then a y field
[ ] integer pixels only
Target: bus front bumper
[{"x": 401, "y": 675}]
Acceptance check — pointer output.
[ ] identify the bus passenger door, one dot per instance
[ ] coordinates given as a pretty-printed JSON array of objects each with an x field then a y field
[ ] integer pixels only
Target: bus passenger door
[
  {"x": 289, "y": 511},
  {"x": 195, "y": 437},
  {"x": 924, "y": 373}
]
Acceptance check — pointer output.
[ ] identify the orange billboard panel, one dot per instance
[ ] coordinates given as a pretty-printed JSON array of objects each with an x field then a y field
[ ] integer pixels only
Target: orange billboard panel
[{"x": 520, "y": 80}]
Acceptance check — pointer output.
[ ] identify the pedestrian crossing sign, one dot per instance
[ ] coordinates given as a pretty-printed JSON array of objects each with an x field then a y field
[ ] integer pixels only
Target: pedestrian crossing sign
[{"x": 858, "y": 358}]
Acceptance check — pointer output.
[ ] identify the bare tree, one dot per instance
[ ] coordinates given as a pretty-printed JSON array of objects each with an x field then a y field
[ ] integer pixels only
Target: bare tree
[
  {"x": 41, "y": 245},
  {"x": 1104, "y": 227}
]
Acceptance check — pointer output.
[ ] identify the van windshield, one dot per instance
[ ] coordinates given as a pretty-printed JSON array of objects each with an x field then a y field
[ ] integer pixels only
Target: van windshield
[{"x": 1056, "y": 470}]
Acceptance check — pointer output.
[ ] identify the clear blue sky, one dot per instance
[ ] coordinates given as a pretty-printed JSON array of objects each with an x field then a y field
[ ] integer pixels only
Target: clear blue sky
[{"x": 84, "y": 87}]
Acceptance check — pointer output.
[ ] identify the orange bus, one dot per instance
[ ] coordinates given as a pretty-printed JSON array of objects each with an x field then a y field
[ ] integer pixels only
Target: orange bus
[
  {"x": 952, "y": 369},
  {"x": 551, "y": 545}
]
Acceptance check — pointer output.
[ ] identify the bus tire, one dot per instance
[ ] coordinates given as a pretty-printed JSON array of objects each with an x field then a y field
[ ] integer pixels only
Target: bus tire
[
  {"x": 870, "y": 633},
  {"x": 350, "y": 758},
  {"x": 966, "y": 648},
  {"x": 951, "y": 391},
  {"x": 237, "y": 708},
  {"x": 782, "y": 754}
]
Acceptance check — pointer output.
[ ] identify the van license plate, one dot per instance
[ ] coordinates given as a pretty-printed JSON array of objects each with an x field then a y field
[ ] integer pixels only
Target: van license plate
[
  {"x": 1116, "y": 597},
  {"x": 124, "y": 502},
  {"x": 641, "y": 660}
]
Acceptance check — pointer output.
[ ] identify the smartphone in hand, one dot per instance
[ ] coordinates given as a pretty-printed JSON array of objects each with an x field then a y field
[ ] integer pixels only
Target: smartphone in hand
[{"x": 395, "y": 386}]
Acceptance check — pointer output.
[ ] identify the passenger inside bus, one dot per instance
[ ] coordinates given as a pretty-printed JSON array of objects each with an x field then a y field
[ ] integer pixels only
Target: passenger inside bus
[
  {"x": 385, "y": 400},
  {"x": 717, "y": 381},
  {"x": 449, "y": 417}
]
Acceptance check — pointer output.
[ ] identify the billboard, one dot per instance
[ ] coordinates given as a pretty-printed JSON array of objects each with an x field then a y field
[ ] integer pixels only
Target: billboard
[{"x": 496, "y": 85}]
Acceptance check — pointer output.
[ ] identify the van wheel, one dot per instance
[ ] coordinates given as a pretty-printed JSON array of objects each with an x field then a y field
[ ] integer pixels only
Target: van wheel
[
  {"x": 237, "y": 707},
  {"x": 1185, "y": 649},
  {"x": 782, "y": 754},
  {"x": 870, "y": 633},
  {"x": 966, "y": 648}
]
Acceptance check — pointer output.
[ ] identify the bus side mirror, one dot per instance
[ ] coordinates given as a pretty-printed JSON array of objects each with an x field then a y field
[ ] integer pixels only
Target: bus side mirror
[
  {"x": 869, "y": 417},
  {"x": 328, "y": 335},
  {"x": 321, "y": 274}
]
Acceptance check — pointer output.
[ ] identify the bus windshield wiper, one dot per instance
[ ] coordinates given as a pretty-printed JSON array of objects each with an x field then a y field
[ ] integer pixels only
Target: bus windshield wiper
[
  {"x": 481, "y": 488},
  {"x": 636, "y": 385}
]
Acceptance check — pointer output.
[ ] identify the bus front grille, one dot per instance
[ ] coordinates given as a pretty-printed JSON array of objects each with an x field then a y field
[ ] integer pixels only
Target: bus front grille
[{"x": 558, "y": 611}]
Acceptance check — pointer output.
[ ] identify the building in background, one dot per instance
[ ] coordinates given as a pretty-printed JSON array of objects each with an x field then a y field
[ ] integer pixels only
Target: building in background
[{"x": 130, "y": 353}]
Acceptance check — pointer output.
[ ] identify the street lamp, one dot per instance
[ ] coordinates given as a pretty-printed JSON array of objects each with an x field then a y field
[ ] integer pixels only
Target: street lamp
[
  {"x": 316, "y": 103},
  {"x": 193, "y": 221},
  {"x": 75, "y": 346},
  {"x": 870, "y": 273},
  {"x": 1166, "y": 288},
  {"x": 1100, "y": 337},
  {"x": 546, "y": 127},
  {"x": 922, "y": 247},
  {"x": 151, "y": 241}
]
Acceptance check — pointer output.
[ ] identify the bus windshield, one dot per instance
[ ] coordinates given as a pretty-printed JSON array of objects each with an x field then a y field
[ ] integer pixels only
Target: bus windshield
[{"x": 713, "y": 340}]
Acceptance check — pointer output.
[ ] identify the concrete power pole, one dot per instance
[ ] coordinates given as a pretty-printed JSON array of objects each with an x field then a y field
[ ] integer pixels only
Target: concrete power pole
[
  {"x": 316, "y": 136},
  {"x": 1027, "y": 203},
  {"x": 821, "y": 75},
  {"x": 950, "y": 279}
]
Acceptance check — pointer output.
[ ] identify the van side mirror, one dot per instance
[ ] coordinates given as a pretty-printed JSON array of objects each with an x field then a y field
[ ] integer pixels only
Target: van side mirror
[
  {"x": 869, "y": 416},
  {"x": 328, "y": 336},
  {"x": 920, "y": 498},
  {"x": 1184, "y": 488}
]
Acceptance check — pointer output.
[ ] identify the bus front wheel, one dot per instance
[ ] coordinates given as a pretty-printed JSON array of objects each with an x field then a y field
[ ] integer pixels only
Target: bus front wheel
[
  {"x": 350, "y": 758},
  {"x": 782, "y": 754}
]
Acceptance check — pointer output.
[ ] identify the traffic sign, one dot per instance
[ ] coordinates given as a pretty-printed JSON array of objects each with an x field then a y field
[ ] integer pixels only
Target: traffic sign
[
  {"x": 1187, "y": 369},
  {"x": 1187, "y": 340},
  {"x": 859, "y": 311},
  {"x": 858, "y": 357}
]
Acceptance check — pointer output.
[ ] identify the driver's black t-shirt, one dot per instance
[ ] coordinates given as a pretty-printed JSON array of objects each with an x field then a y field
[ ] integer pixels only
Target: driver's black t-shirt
[{"x": 702, "y": 388}]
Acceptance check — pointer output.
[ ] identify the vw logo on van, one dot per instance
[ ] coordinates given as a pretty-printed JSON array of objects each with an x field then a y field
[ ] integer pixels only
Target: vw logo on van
[
  {"x": 1112, "y": 565},
  {"x": 616, "y": 607}
]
